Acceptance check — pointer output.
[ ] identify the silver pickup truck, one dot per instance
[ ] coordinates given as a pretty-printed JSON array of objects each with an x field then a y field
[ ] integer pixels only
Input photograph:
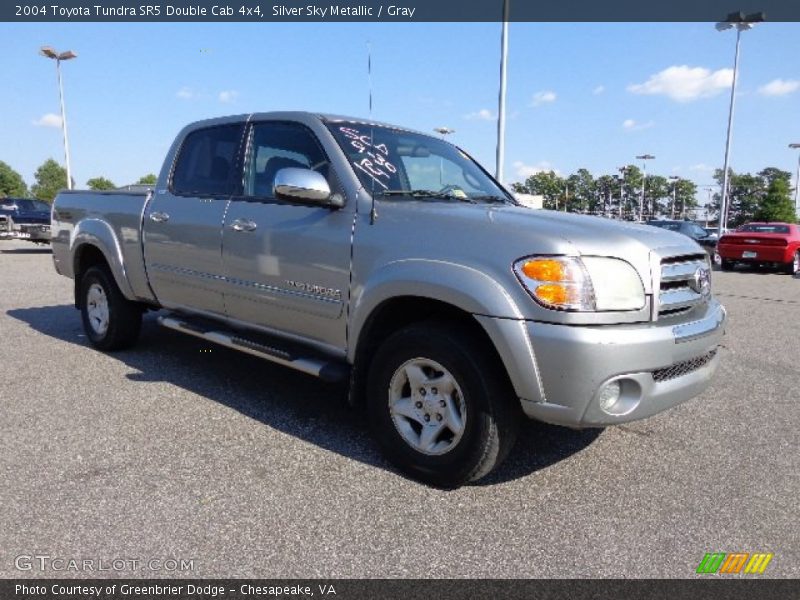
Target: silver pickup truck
[{"x": 389, "y": 260}]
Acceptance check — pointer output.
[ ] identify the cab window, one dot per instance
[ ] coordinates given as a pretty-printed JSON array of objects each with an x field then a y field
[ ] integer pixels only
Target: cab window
[
  {"x": 206, "y": 162},
  {"x": 275, "y": 146}
]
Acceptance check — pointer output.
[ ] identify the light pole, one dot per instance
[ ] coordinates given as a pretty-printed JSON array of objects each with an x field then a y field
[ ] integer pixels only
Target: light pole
[
  {"x": 623, "y": 171},
  {"x": 796, "y": 182},
  {"x": 48, "y": 52},
  {"x": 644, "y": 158},
  {"x": 741, "y": 23},
  {"x": 675, "y": 179},
  {"x": 501, "y": 99}
]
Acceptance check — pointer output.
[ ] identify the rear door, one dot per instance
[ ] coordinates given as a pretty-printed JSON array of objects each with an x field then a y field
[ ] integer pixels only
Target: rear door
[
  {"x": 182, "y": 241},
  {"x": 286, "y": 264}
]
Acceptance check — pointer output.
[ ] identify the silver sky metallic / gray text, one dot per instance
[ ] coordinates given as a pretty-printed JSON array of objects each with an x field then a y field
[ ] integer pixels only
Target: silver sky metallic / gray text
[{"x": 334, "y": 10}]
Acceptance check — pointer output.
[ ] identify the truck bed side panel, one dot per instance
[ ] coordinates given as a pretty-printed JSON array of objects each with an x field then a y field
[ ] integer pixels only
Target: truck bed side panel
[{"x": 111, "y": 221}]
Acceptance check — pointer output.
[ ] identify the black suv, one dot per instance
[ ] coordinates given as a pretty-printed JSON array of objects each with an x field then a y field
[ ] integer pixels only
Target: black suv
[{"x": 25, "y": 219}]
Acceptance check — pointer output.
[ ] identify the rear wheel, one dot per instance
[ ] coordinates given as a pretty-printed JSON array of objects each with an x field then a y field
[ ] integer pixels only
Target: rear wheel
[
  {"x": 725, "y": 264},
  {"x": 441, "y": 409},
  {"x": 111, "y": 321},
  {"x": 793, "y": 268}
]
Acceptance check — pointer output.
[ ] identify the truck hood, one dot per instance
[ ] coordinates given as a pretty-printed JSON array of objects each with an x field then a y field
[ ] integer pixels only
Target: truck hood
[{"x": 495, "y": 235}]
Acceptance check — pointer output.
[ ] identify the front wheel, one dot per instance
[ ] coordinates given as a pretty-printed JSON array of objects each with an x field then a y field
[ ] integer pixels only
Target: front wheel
[
  {"x": 111, "y": 321},
  {"x": 440, "y": 406}
]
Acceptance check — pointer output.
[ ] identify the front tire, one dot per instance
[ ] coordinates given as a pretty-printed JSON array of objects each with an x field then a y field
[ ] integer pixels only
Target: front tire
[
  {"x": 111, "y": 321},
  {"x": 440, "y": 406}
]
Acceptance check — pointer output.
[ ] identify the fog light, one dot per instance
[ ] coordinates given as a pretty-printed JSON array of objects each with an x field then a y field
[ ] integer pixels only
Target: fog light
[{"x": 609, "y": 396}]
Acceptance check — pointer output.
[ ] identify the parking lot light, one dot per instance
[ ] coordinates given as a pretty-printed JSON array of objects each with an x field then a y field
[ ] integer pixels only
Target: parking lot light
[
  {"x": 741, "y": 23},
  {"x": 796, "y": 182},
  {"x": 644, "y": 158},
  {"x": 49, "y": 52}
]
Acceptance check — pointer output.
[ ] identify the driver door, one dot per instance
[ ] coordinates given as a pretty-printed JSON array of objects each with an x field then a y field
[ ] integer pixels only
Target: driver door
[{"x": 286, "y": 264}]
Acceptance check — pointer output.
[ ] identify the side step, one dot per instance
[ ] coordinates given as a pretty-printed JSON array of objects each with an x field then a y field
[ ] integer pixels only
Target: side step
[{"x": 327, "y": 370}]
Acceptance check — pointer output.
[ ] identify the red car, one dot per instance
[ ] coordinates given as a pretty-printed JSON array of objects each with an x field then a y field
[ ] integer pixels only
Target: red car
[{"x": 775, "y": 244}]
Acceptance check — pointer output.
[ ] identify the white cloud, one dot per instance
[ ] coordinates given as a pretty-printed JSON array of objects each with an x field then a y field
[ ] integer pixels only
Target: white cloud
[
  {"x": 525, "y": 171},
  {"x": 684, "y": 83},
  {"x": 702, "y": 168},
  {"x": 599, "y": 90},
  {"x": 48, "y": 120},
  {"x": 483, "y": 114},
  {"x": 779, "y": 87},
  {"x": 185, "y": 93},
  {"x": 631, "y": 125},
  {"x": 543, "y": 97},
  {"x": 228, "y": 96}
]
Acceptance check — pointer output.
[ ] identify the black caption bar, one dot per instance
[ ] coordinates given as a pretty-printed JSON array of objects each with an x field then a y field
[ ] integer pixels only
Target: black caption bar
[
  {"x": 384, "y": 589},
  {"x": 379, "y": 10}
]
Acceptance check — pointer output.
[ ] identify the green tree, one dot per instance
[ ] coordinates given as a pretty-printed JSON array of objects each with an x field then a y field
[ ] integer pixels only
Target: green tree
[
  {"x": 545, "y": 183},
  {"x": 582, "y": 192},
  {"x": 11, "y": 182},
  {"x": 777, "y": 205},
  {"x": 100, "y": 183},
  {"x": 745, "y": 193},
  {"x": 50, "y": 179},
  {"x": 149, "y": 179},
  {"x": 685, "y": 198},
  {"x": 658, "y": 193}
]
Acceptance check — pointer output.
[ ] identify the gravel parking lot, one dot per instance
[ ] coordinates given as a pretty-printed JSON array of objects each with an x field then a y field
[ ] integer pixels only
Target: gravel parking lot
[{"x": 176, "y": 449}]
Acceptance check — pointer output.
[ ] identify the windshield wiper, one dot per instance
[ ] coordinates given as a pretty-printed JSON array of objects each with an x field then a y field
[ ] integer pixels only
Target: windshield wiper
[
  {"x": 428, "y": 194},
  {"x": 491, "y": 199}
]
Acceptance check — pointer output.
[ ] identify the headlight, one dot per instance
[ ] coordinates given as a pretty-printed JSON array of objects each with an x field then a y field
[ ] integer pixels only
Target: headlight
[{"x": 590, "y": 283}]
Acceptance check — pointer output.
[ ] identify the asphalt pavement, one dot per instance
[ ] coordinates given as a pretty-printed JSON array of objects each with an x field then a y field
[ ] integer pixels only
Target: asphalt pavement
[{"x": 191, "y": 460}]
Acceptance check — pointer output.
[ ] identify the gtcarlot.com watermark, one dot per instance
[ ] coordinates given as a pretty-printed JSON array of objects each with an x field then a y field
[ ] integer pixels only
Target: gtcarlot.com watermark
[{"x": 59, "y": 564}]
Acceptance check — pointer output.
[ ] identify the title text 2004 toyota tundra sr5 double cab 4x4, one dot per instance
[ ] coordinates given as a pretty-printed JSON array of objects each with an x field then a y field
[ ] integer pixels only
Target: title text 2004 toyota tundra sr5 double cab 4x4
[{"x": 367, "y": 253}]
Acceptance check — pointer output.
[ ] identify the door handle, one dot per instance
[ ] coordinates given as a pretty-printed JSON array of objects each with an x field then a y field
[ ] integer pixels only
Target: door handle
[
  {"x": 159, "y": 217},
  {"x": 244, "y": 225}
]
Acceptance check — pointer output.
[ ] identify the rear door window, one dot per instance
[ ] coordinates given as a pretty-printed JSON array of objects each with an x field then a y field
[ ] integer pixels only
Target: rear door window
[{"x": 206, "y": 163}]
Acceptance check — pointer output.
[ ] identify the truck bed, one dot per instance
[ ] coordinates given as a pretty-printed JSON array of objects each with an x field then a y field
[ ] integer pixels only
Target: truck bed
[{"x": 104, "y": 217}]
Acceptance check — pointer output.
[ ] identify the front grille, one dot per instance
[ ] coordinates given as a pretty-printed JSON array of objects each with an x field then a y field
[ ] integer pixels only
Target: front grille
[
  {"x": 676, "y": 289},
  {"x": 682, "y": 368}
]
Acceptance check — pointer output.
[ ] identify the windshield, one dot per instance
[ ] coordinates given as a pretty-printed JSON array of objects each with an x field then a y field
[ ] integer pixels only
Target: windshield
[
  {"x": 396, "y": 163},
  {"x": 765, "y": 228}
]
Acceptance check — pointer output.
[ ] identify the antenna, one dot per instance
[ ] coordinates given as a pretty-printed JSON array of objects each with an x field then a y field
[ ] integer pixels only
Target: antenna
[
  {"x": 369, "y": 75},
  {"x": 373, "y": 214}
]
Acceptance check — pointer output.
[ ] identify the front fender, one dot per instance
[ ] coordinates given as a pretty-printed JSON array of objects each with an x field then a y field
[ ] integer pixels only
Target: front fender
[
  {"x": 461, "y": 286},
  {"x": 98, "y": 233}
]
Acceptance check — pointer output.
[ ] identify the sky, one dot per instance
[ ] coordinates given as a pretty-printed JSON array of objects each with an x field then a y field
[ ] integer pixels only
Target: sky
[{"x": 580, "y": 95}]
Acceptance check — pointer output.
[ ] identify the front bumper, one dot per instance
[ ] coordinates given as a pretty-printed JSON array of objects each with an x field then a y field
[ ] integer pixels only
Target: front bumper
[{"x": 658, "y": 365}]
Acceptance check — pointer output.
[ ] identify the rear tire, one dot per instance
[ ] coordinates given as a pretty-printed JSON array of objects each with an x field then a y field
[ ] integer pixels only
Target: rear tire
[
  {"x": 111, "y": 321},
  {"x": 793, "y": 268},
  {"x": 439, "y": 404},
  {"x": 725, "y": 264}
]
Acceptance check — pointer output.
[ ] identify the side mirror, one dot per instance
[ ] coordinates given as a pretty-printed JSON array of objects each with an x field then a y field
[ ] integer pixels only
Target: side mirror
[{"x": 305, "y": 185}]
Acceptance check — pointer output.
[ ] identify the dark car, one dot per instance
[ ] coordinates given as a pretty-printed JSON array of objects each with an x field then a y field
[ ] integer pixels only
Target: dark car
[
  {"x": 690, "y": 229},
  {"x": 25, "y": 219}
]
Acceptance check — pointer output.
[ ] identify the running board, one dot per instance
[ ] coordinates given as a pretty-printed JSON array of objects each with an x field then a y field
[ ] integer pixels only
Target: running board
[{"x": 326, "y": 370}]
